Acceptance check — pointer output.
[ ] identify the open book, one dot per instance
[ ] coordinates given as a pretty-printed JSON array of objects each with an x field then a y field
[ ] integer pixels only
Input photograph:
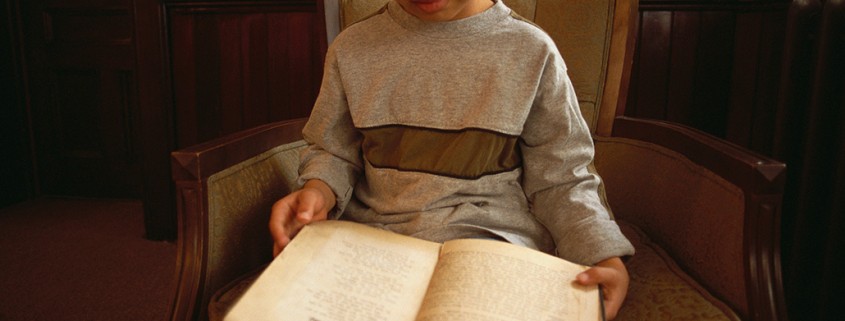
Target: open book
[{"x": 337, "y": 270}]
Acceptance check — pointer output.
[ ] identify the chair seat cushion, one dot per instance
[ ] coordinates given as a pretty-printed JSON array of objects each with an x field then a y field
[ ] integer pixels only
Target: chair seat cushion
[{"x": 659, "y": 289}]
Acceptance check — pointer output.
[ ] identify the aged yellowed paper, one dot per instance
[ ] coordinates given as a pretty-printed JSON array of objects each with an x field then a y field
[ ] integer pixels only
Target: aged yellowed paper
[
  {"x": 337, "y": 270},
  {"x": 491, "y": 280}
]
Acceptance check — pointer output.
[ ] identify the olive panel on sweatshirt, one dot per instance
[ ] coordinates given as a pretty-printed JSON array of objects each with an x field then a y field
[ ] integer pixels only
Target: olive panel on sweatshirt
[{"x": 467, "y": 153}]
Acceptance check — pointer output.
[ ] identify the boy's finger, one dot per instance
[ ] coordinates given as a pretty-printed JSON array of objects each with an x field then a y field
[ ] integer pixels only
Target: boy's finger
[
  {"x": 594, "y": 275},
  {"x": 304, "y": 216},
  {"x": 280, "y": 245},
  {"x": 611, "y": 304},
  {"x": 282, "y": 211},
  {"x": 307, "y": 207},
  {"x": 283, "y": 223},
  {"x": 279, "y": 220}
]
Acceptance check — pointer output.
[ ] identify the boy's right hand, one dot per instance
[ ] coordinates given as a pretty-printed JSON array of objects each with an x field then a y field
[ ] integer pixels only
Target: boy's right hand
[{"x": 310, "y": 204}]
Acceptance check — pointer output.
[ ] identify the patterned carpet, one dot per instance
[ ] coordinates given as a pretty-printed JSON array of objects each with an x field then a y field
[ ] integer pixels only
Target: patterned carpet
[{"x": 79, "y": 259}]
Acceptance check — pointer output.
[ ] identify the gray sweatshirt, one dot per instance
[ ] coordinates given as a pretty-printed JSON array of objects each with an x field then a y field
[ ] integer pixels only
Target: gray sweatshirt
[{"x": 466, "y": 128}]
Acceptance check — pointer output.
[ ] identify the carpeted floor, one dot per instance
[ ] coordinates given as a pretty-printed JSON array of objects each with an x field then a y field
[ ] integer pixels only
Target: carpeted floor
[{"x": 78, "y": 259}]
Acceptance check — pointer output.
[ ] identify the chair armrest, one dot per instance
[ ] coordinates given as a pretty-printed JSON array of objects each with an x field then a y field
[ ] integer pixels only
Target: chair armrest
[
  {"x": 751, "y": 171},
  {"x": 202, "y": 264},
  {"x": 730, "y": 211}
]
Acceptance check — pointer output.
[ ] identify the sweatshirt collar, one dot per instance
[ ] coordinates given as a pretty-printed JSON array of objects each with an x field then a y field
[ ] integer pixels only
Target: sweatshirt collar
[{"x": 450, "y": 29}]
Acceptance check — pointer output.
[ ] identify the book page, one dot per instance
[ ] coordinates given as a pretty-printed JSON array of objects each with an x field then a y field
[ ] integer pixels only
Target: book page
[
  {"x": 491, "y": 280},
  {"x": 337, "y": 270}
]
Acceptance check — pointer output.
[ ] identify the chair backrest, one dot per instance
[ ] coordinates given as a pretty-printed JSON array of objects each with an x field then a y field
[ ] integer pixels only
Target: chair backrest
[{"x": 596, "y": 39}]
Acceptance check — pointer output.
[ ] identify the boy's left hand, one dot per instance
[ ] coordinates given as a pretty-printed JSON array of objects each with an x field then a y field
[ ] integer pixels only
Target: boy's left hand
[{"x": 613, "y": 278}]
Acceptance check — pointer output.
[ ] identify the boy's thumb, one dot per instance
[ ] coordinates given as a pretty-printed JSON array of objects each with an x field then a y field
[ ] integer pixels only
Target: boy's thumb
[
  {"x": 305, "y": 210},
  {"x": 585, "y": 278},
  {"x": 304, "y": 216}
]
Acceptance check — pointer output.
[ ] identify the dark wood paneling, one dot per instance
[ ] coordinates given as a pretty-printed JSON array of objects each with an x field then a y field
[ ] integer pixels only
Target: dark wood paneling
[
  {"x": 81, "y": 77},
  {"x": 684, "y": 40},
  {"x": 813, "y": 103},
  {"x": 235, "y": 65},
  {"x": 793, "y": 103},
  {"x": 712, "y": 78},
  {"x": 704, "y": 63},
  {"x": 155, "y": 120},
  {"x": 110, "y": 98},
  {"x": 209, "y": 68},
  {"x": 16, "y": 172},
  {"x": 753, "y": 105},
  {"x": 651, "y": 70}
]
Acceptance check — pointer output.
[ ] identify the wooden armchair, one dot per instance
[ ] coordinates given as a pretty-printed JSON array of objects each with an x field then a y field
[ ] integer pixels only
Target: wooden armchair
[{"x": 702, "y": 213}]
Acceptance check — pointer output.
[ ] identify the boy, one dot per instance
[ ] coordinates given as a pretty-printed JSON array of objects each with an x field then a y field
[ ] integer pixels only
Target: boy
[{"x": 446, "y": 119}]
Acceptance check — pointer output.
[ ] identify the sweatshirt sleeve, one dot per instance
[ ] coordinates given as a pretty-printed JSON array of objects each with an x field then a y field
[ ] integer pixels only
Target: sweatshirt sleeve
[
  {"x": 557, "y": 147},
  {"x": 333, "y": 154}
]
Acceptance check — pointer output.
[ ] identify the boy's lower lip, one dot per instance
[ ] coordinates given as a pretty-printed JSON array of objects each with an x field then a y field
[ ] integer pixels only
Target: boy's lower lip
[{"x": 429, "y": 5}]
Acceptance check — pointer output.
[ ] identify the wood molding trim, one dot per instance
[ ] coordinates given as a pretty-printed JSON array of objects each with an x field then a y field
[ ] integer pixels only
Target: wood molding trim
[
  {"x": 718, "y": 5},
  {"x": 622, "y": 45},
  {"x": 766, "y": 296},
  {"x": 235, "y": 65},
  {"x": 191, "y": 252}
]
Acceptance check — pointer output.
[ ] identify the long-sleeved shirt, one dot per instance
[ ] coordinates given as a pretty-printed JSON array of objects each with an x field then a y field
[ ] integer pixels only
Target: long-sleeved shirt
[{"x": 465, "y": 128}]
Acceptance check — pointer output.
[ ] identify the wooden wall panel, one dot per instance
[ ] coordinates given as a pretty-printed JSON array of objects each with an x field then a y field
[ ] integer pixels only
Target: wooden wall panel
[
  {"x": 235, "y": 66},
  {"x": 81, "y": 80},
  {"x": 709, "y": 64},
  {"x": 684, "y": 40},
  {"x": 757, "y": 58},
  {"x": 712, "y": 80},
  {"x": 811, "y": 139},
  {"x": 104, "y": 90},
  {"x": 649, "y": 89},
  {"x": 16, "y": 175},
  {"x": 155, "y": 118}
]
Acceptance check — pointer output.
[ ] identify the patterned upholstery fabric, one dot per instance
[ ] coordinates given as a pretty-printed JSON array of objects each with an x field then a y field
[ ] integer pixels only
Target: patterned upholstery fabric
[
  {"x": 238, "y": 208},
  {"x": 660, "y": 290},
  {"x": 671, "y": 199}
]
